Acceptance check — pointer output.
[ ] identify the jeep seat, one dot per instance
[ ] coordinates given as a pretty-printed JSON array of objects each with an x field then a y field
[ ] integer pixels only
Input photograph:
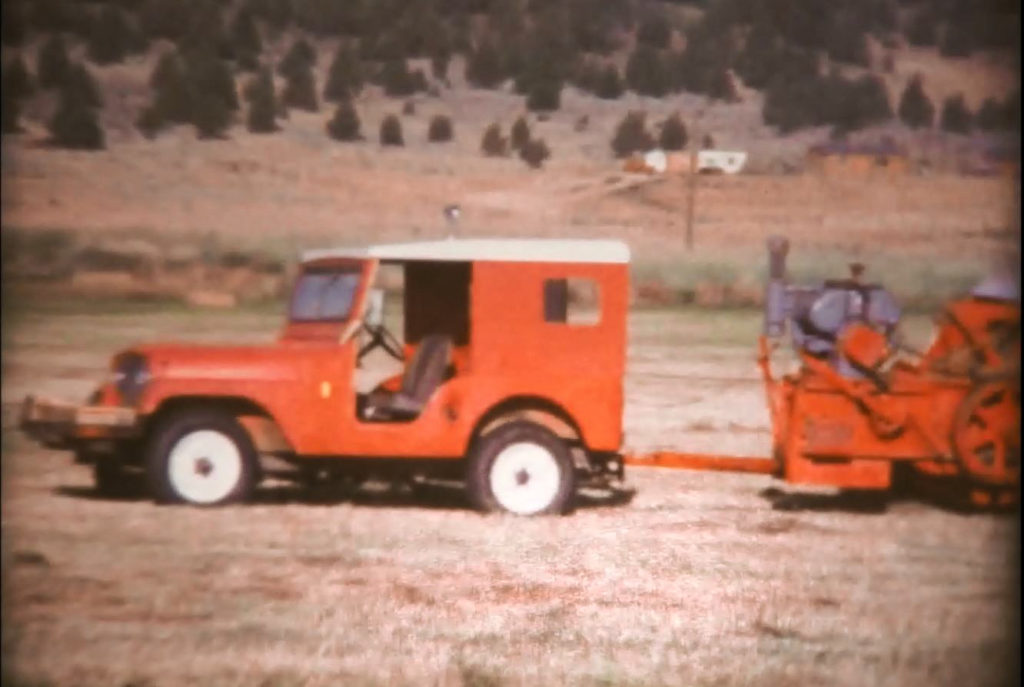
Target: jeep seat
[{"x": 424, "y": 373}]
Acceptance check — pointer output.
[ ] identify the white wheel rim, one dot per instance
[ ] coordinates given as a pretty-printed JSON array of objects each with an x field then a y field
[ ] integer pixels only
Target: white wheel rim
[
  {"x": 204, "y": 466},
  {"x": 525, "y": 478}
]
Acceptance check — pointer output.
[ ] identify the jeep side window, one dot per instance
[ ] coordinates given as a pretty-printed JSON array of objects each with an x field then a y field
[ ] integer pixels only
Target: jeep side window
[
  {"x": 325, "y": 295},
  {"x": 572, "y": 301}
]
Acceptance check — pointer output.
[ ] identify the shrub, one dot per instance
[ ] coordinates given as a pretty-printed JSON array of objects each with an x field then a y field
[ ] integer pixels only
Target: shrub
[
  {"x": 440, "y": 129},
  {"x": 520, "y": 133},
  {"x": 345, "y": 75},
  {"x": 915, "y": 109},
  {"x": 344, "y": 125},
  {"x": 534, "y": 153},
  {"x": 17, "y": 82},
  {"x": 956, "y": 118},
  {"x": 300, "y": 89},
  {"x": 545, "y": 96},
  {"x": 409, "y": 108},
  {"x": 673, "y": 134},
  {"x": 631, "y": 135},
  {"x": 111, "y": 36},
  {"x": 610, "y": 86},
  {"x": 391, "y": 131},
  {"x": 262, "y": 103},
  {"x": 52, "y": 65},
  {"x": 493, "y": 144}
]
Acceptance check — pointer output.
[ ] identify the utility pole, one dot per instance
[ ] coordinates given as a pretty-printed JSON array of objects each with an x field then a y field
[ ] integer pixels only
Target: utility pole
[{"x": 691, "y": 200}]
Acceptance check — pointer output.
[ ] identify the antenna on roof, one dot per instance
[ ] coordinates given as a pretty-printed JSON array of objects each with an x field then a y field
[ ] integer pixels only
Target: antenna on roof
[{"x": 451, "y": 213}]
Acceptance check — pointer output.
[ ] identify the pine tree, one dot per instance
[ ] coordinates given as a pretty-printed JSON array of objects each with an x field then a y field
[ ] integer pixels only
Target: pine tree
[
  {"x": 610, "y": 86},
  {"x": 440, "y": 129},
  {"x": 544, "y": 96},
  {"x": 172, "y": 102},
  {"x": 915, "y": 109},
  {"x": 484, "y": 68},
  {"x": 300, "y": 89},
  {"x": 262, "y": 103},
  {"x": 646, "y": 73},
  {"x": 74, "y": 124},
  {"x": 53, "y": 64},
  {"x": 10, "y": 111},
  {"x": 344, "y": 125},
  {"x": 673, "y": 134},
  {"x": 493, "y": 144},
  {"x": 245, "y": 38},
  {"x": 631, "y": 135},
  {"x": 439, "y": 62},
  {"x": 12, "y": 23},
  {"x": 391, "y": 131},
  {"x": 300, "y": 56},
  {"x": 520, "y": 134},
  {"x": 397, "y": 80},
  {"x": 82, "y": 87},
  {"x": 209, "y": 74},
  {"x": 111, "y": 36},
  {"x": 956, "y": 117},
  {"x": 210, "y": 115},
  {"x": 345, "y": 76},
  {"x": 17, "y": 82},
  {"x": 655, "y": 32}
]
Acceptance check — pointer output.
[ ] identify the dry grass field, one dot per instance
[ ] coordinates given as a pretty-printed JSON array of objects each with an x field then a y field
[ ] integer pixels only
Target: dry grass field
[{"x": 698, "y": 580}]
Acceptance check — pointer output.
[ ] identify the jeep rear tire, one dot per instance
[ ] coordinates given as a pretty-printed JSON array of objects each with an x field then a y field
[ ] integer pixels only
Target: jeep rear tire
[
  {"x": 523, "y": 469},
  {"x": 203, "y": 457}
]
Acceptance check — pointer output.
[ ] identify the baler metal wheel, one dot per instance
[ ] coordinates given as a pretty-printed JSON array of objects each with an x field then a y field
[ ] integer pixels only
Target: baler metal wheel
[{"x": 986, "y": 434}]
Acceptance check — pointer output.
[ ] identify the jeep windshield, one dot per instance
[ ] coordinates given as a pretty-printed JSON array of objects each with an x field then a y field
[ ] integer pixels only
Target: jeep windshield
[{"x": 325, "y": 295}]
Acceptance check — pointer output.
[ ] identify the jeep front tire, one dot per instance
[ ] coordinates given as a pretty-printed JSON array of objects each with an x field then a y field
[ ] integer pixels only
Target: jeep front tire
[
  {"x": 203, "y": 457},
  {"x": 523, "y": 469}
]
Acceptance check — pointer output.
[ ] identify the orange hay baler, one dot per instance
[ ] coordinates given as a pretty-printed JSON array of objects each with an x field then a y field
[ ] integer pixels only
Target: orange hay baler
[{"x": 861, "y": 408}]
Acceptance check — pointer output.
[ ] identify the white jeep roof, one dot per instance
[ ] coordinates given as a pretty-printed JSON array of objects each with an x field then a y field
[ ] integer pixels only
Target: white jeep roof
[{"x": 494, "y": 250}]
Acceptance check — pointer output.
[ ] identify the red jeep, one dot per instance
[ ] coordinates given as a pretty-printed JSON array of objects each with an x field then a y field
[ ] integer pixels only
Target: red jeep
[{"x": 513, "y": 354}]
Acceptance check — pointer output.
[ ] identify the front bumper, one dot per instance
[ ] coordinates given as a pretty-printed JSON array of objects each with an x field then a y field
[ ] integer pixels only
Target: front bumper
[{"x": 60, "y": 425}]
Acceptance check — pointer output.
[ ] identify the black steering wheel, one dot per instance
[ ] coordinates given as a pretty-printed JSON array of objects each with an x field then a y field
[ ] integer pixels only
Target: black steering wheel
[{"x": 381, "y": 337}]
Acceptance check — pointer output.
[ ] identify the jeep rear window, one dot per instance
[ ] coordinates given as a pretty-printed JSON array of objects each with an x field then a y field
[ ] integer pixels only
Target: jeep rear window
[{"x": 325, "y": 295}]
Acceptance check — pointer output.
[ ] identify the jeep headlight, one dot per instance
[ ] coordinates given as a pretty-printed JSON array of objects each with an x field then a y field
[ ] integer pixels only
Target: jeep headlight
[{"x": 130, "y": 376}]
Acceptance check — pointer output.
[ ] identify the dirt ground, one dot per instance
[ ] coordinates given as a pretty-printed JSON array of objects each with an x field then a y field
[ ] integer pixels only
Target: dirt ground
[{"x": 697, "y": 580}]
